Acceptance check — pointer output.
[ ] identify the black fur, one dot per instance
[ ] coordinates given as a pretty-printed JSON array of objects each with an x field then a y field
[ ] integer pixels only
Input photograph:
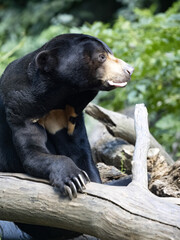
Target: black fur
[{"x": 61, "y": 72}]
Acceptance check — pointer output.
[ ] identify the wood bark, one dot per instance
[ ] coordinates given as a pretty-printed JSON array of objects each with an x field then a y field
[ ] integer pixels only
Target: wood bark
[
  {"x": 165, "y": 180},
  {"x": 106, "y": 212},
  {"x": 139, "y": 163},
  {"x": 122, "y": 126}
]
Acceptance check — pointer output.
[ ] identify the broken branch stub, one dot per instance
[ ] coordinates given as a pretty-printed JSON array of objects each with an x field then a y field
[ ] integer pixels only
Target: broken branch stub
[{"x": 139, "y": 163}]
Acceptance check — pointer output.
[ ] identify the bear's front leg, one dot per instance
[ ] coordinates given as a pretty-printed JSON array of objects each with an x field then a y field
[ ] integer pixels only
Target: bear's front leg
[
  {"x": 30, "y": 141},
  {"x": 67, "y": 177},
  {"x": 69, "y": 138}
]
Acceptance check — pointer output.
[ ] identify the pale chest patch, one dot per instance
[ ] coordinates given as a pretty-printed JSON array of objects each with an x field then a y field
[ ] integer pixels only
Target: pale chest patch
[{"x": 59, "y": 119}]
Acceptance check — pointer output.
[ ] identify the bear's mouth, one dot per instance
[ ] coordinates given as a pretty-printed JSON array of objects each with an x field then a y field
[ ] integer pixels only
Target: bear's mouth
[{"x": 117, "y": 84}]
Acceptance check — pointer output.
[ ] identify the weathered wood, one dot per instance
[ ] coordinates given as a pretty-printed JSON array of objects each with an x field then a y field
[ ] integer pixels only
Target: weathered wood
[
  {"x": 122, "y": 126},
  {"x": 165, "y": 180},
  {"x": 139, "y": 163},
  {"x": 103, "y": 211}
]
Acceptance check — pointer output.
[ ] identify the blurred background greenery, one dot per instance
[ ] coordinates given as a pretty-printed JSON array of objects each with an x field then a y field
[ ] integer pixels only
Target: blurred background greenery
[{"x": 145, "y": 33}]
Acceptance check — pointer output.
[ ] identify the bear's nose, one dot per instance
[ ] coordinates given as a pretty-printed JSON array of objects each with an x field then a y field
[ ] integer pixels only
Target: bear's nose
[{"x": 129, "y": 69}]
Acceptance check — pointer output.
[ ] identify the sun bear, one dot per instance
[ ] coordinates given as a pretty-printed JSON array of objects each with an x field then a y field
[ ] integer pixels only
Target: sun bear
[{"x": 42, "y": 98}]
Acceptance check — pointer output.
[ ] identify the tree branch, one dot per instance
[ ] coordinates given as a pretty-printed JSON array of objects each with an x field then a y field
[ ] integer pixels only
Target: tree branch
[
  {"x": 139, "y": 163},
  {"x": 120, "y": 125}
]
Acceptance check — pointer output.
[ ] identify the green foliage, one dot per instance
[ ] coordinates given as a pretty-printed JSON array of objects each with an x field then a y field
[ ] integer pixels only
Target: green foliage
[{"x": 150, "y": 44}]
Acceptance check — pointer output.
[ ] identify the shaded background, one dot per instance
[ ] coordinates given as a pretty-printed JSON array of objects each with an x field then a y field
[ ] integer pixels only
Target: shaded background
[{"x": 144, "y": 33}]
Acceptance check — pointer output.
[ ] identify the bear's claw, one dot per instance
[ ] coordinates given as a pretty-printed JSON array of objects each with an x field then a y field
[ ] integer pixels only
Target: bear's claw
[
  {"x": 82, "y": 181},
  {"x": 87, "y": 177},
  {"x": 68, "y": 191},
  {"x": 78, "y": 184}
]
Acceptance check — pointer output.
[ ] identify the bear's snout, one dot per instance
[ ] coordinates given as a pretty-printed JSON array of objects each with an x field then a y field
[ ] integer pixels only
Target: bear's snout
[
  {"x": 114, "y": 72},
  {"x": 129, "y": 69}
]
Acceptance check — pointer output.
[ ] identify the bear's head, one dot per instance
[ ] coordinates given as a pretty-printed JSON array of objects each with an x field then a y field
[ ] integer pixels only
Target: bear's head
[{"x": 83, "y": 62}]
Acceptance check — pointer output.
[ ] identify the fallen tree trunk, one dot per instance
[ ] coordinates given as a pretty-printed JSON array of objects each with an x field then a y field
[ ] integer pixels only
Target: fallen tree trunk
[
  {"x": 120, "y": 125},
  {"x": 106, "y": 212}
]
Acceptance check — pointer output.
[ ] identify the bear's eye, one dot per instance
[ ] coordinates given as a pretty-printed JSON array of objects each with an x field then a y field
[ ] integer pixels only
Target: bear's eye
[{"x": 101, "y": 58}]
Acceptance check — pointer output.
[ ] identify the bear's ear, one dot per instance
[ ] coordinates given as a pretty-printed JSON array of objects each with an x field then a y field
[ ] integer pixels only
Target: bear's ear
[{"x": 45, "y": 61}]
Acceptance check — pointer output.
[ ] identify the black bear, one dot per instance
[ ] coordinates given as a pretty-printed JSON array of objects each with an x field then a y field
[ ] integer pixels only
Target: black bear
[{"x": 43, "y": 94}]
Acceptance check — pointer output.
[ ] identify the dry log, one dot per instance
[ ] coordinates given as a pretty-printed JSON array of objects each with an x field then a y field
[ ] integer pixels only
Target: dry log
[
  {"x": 109, "y": 173},
  {"x": 165, "y": 180},
  {"x": 139, "y": 164},
  {"x": 122, "y": 126},
  {"x": 111, "y": 150},
  {"x": 106, "y": 212}
]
